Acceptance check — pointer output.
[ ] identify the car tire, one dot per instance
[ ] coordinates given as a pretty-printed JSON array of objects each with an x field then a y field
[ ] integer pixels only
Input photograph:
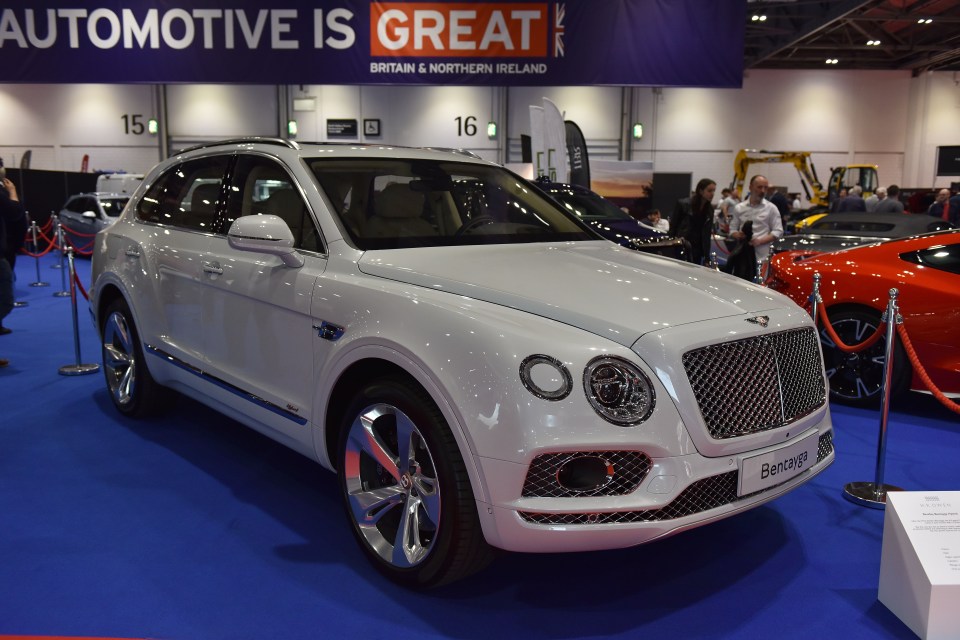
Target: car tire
[
  {"x": 132, "y": 389},
  {"x": 416, "y": 521},
  {"x": 856, "y": 378}
]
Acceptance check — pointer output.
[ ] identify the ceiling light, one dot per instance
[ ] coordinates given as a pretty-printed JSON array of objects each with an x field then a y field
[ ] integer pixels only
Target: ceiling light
[
  {"x": 832, "y": 61},
  {"x": 873, "y": 43},
  {"x": 758, "y": 18},
  {"x": 924, "y": 20}
]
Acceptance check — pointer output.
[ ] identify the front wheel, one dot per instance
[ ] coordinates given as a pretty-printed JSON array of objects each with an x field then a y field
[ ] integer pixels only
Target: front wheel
[
  {"x": 405, "y": 487},
  {"x": 857, "y": 378},
  {"x": 132, "y": 389}
]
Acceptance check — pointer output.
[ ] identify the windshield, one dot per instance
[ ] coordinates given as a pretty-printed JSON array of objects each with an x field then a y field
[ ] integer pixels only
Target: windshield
[
  {"x": 389, "y": 203},
  {"x": 588, "y": 205}
]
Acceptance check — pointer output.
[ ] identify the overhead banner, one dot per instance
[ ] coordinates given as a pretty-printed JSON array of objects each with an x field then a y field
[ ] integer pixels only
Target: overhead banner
[{"x": 574, "y": 42}]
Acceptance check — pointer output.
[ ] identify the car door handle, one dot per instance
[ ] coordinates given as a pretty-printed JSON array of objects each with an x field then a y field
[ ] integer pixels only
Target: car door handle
[
  {"x": 213, "y": 267},
  {"x": 133, "y": 252}
]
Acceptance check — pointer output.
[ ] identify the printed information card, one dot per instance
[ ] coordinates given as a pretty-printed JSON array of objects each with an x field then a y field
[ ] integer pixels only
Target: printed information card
[{"x": 920, "y": 561}]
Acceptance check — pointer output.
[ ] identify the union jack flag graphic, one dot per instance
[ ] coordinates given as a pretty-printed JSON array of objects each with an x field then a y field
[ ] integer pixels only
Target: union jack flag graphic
[{"x": 559, "y": 15}]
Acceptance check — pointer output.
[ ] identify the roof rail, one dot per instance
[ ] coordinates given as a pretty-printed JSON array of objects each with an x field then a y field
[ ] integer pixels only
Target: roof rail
[
  {"x": 462, "y": 152},
  {"x": 282, "y": 142}
]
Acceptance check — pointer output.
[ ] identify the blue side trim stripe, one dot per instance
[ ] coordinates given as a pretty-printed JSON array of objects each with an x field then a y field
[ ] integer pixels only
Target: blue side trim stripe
[{"x": 260, "y": 402}]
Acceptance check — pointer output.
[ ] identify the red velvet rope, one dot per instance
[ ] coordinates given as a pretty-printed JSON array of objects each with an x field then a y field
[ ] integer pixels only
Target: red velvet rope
[
  {"x": 866, "y": 344},
  {"x": 85, "y": 250},
  {"x": 50, "y": 246},
  {"x": 77, "y": 233},
  {"x": 922, "y": 373},
  {"x": 83, "y": 291}
]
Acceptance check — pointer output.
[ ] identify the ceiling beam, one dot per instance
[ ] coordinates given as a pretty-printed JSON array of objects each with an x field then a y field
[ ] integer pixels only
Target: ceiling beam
[{"x": 836, "y": 11}]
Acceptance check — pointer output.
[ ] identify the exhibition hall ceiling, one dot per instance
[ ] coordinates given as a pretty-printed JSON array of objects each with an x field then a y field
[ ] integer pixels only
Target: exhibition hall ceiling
[{"x": 918, "y": 35}]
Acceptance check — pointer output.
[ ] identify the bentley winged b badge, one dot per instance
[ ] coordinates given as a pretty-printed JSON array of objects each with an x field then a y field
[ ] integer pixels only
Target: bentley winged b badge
[{"x": 763, "y": 321}]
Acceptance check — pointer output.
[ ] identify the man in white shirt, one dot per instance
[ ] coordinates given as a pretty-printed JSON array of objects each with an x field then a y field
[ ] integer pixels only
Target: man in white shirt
[{"x": 767, "y": 224}]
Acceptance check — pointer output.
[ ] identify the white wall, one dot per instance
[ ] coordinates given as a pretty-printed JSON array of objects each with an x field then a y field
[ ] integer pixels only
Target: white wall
[
  {"x": 882, "y": 117},
  {"x": 62, "y": 123},
  {"x": 452, "y": 117},
  {"x": 841, "y": 117},
  {"x": 205, "y": 112}
]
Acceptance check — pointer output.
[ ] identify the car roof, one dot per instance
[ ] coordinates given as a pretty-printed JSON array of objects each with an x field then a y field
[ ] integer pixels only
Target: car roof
[
  {"x": 100, "y": 194},
  {"x": 338, "y": 149},
  {"x": 868, "y": 224}
]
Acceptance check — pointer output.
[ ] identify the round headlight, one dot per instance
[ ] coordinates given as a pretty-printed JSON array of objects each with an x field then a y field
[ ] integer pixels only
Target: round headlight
[
  {"x": 619, "y": 391},
  {"x": 546, "y": 377}
]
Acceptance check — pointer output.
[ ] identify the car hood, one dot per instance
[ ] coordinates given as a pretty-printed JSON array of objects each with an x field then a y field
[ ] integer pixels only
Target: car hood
[
  {"x": 628, "y": 228},
  {"x": 597, "y": 286}
]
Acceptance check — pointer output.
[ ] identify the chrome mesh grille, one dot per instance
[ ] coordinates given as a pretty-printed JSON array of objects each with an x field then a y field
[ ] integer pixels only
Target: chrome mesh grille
[
  {"x": 702, "y": 495},
  {"x": 629, "y": 470},
  {"x": 756, "y": 384},
  {"x": 825, "y": 446}
]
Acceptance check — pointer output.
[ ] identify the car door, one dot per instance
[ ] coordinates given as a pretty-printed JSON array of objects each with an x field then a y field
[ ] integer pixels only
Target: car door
[
  {"x": 177, "y": 213},
  {"x": 258, "y": 331}
]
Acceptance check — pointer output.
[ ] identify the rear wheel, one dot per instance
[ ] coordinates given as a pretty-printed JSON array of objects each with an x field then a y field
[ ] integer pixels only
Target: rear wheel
[
  {"x": 132, "y": 389},
  {"x": 405, "y": 487},
  {"x": 857, "y": 378}
]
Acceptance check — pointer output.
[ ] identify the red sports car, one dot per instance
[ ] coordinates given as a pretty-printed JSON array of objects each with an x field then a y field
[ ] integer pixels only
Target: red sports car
[{"x": 855, "y": 286}]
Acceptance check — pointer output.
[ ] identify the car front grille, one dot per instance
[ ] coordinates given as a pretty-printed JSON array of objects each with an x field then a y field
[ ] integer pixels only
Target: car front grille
[
  {"x": 757, "y": 384},
  {"x": 702, "y": 495},
  {"x": 629, "y": 470}
]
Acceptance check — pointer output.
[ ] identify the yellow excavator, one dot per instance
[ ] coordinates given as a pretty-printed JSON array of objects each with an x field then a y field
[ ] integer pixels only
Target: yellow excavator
[{"x": 820, "y": 197}]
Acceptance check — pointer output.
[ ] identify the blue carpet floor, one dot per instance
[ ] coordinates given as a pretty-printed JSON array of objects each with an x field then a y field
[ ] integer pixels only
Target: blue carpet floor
[{"x": 193, "y": 527}]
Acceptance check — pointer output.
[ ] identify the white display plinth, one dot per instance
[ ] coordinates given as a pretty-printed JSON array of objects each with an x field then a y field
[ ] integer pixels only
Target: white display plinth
[{"x": 920, "y": 561}]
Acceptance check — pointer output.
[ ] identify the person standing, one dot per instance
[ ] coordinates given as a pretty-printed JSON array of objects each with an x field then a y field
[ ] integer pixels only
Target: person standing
[
  {"x": 953, "y": 207},
  {"x": 841, "y": 196},
  {"x": 654, "y": 220},
  {"x": 940, "y": 204},
  {"x": 692, "y": 220},
  {"x": 890, "y": 204},
  {"x": 853, "y": 201},
  {"x": 878, "y": 196},
  {"x": 764, "y": 217},
  {"x": 11, "y": 217},
  {"x": 730, "y": 200}
]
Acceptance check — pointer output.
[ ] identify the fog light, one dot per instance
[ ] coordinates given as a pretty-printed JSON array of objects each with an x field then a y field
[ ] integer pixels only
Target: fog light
[{"x": 585, "y": 473}]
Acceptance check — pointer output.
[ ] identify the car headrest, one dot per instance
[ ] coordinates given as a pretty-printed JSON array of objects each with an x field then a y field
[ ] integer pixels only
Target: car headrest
[{"x": 398, "y": 201}]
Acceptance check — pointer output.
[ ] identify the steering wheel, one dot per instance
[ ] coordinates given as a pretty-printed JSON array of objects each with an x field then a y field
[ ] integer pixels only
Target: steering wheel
[{"x": 473, "y": 223}]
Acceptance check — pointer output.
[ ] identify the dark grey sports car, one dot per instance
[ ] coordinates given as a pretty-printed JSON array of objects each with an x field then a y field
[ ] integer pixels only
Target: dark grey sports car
[{"x": 844, "y": 230}]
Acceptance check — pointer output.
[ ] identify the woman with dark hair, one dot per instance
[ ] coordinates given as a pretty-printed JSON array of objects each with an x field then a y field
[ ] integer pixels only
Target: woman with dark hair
[{"x": 692, "y": 220}]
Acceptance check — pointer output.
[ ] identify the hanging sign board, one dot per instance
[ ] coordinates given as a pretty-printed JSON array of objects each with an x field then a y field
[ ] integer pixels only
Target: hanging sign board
[{"x": 495, "y": 43}]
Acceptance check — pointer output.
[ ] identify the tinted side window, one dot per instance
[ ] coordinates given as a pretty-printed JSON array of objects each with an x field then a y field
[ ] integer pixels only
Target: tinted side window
[
  {"x": 943, "y": 258},
  {"x": 186, "y": 195},
  {"x": 261, "y": 186},
  {"x": 113, "y": 207}
]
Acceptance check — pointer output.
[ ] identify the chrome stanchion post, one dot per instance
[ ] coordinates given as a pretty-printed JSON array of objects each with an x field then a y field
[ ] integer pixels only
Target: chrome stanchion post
[
  {"x": 36, "y": 249},
  {"x": 874, "y": 494},
  {"x": 58, "y": 264},
  {"x": 75, "y": 369},
  {"x": 815, "y": 296},
  {"x": 63, "y": 293},
  {"x": 758, "y": 277},
  {"x": 713, "y": 264}
]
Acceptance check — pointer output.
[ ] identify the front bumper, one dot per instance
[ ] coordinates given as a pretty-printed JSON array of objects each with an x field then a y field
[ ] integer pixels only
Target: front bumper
[{"x": 677, "y": 494}]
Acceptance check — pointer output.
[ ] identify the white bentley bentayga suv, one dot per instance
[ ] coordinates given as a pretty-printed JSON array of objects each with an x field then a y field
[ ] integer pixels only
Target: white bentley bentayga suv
[{"x": 479, "y": 368}]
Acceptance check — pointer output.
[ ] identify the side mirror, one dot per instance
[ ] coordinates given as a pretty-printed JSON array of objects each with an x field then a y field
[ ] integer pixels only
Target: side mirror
[
  {"x": 92, "y": 215},
  {"x": 264, "y": 234}
]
